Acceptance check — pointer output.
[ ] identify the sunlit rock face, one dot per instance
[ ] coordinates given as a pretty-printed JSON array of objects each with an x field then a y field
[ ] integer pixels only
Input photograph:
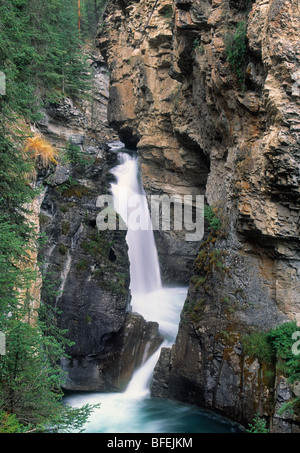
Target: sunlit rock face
[{"x": 198, "y": 128}]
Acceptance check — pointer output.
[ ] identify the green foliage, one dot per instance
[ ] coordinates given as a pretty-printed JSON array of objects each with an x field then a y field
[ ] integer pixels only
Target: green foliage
[
  {"x": 76, "y": 157},
  {"x": 65, "y": 227},
  {"x": 72, "y": 188},
  {"x": 82, "y": 265},
  {"x": 282, "y": 341},
  {"x": 275, "y": 346},
  {"x": 257, "y": 345},
  {"x": 214, "y": 222},
  {"x": 9, "y": 424},
  {"x": 210, "y": 260},
  {"x": 259, "y": 426},
  {"x": 236, "y": 49},
  {"x": 97, "y": 245},
  {"x": 42, "y": 57},
  {"x": 41, "y": 51},
  {"x": 63, "y": 249},
  {"x": 30, "y": 375},
  {"x": 167, "y": 11},
  {"x": 194, "y": 309},
  {"x": 91, "y": 15},
  {"x": 197, "y": 45}
]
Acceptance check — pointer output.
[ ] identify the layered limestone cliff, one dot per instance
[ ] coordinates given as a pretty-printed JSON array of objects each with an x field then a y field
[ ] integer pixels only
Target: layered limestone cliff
[
  {"x": 200, "y": 128},
  {"x": 86, "y": 270}
]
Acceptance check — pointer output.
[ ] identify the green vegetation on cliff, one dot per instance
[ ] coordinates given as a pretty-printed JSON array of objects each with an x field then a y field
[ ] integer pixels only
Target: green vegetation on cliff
[
  {"x": 236, "y": 49},
  {"x": 42, "y": 58},
  {"x": 277, "y": 349},
  {"x": 276, "y": 346}
]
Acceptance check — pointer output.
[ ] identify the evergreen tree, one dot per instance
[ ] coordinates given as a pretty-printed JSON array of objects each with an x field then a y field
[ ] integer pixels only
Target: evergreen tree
[
  {"x": 42, "y": 57},
  {"x": 91, "y": 16}
]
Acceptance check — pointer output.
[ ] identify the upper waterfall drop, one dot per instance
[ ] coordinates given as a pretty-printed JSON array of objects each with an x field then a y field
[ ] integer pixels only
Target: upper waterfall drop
[{"x": 129, "y": 198}]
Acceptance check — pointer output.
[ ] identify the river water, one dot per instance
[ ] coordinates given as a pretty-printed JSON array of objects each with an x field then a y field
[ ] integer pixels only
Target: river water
[{"x": 133, "y": 411}]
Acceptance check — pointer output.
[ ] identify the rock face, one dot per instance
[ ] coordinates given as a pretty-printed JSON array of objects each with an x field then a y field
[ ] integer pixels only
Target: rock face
[
  {"x": 142, "y": 103},
  {"x": 201, "y": 127},
  {"x": 87, "y": 270}
]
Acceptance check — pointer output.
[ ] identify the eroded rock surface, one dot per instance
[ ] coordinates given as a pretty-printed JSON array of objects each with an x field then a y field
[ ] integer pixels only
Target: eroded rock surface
[
  {"x": 87, "y": 270},
  {"x": 198, "y": 128}
]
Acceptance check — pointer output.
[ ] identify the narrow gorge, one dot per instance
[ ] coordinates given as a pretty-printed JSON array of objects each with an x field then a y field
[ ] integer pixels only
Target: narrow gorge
[{"x": 202, "y": 120}]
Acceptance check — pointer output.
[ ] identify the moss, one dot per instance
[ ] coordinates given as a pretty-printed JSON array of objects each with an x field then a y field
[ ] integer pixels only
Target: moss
[
  {"x": 197, "y": 281},
  {"x": 209, "y": 257},
  {"x": 82, "y": 265},
  {"x": 198, "y": 46},
  {"x": 106, "y": 274},
  {"x": 63, "y": 249},
  {"x": 116, "y": 284},
  {"x": 198, "y": 308},
  {"x": 167, "y": 11},
  {"x": 43, "y": 219},
  {"x": 64, "y": 208},
  {"x": 78, "y": 191},
  {"x": 193, "y": 309},
  {"x": 87, "y": 319},
  {"x": 209, "y": 260},
  {"x": 240, "y": 292},
  {"x": 229, "y": 304},
  {"x": 65, "y": 227},
  {"x": 72, "y": 188},
  {"x": 229, "y": 337},
  {"x": 97, "y": 245}
]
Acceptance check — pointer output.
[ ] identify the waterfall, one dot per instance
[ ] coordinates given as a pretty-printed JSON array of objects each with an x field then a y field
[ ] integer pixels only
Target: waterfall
[
  {"x": 133, "y": 411},
  {"x": 145, "y": 285},
  {"x": 129, "y": 197},
  {"x": 139, "y": 386}
]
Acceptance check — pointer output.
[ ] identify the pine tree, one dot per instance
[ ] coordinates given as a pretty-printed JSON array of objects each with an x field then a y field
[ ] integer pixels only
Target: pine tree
[{"x": 41, "y": 55}]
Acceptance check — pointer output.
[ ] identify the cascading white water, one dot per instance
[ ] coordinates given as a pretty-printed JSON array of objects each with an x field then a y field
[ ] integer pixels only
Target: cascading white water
[
  {"x": 129, "y": 197},
  {"x": 133, "y": 411},
  {"x": 149, "y": 298}
]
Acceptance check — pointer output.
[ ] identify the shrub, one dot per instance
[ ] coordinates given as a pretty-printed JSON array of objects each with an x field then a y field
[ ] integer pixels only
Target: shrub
[
  {"x": 257, "y": 345},
  {"x": 9, "y": 424},
  {"x": 65, "y": 227},
  {"x": 236, "y": 49},
  {"x": 76, "y": 156},
  {"x": 72, "y": 188},
  {"x": 258, "y": 426},
  {"x": 214, "y": 222},
  {"x": 281, "y": 339},
  {"x": 82, "y": 265},
  {"x": 37, "y": 147},
  {"x": 62, "y": 249},
  {"x": 275, "y": 346}
]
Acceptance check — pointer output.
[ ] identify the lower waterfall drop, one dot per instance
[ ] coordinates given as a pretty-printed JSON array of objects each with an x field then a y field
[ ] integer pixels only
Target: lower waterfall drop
[{"x": 133, "y": 411}]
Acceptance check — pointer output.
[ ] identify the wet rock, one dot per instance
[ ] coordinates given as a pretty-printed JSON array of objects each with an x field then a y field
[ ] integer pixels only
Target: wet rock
[
  {"x": 88, "y": 270},
  {"x": 196, "y": 126}
]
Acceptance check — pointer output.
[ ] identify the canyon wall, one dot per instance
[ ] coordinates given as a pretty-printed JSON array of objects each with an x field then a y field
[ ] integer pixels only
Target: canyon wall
[
  {"x": 86, "y": 271},
  {"x": 202, "y": 127}
]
